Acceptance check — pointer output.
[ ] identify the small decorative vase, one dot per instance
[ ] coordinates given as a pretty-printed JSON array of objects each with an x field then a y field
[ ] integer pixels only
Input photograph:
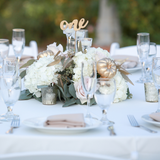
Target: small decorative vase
[{"x": 49, "y": 95}]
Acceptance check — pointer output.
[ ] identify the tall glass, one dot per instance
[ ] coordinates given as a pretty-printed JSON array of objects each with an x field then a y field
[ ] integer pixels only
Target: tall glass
[
  {"x": 156, "y": 77},
  {"x": 143, "y": 46},
  {"x": 4, "y": 49},
  {"x": 151, "y": 55},
  {"x": 18, "y": 43},
  {"x": 89, "y": 84},
  {"x": 104, "y": 96},
  {"x": 68, "y": 32}
]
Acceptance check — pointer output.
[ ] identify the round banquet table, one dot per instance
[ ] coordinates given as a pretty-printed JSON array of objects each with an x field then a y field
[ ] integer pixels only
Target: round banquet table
[{"x": 97, "y": 141}]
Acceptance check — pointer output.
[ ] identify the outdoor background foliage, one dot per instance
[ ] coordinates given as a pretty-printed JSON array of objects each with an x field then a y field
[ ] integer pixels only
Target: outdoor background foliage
[
  {"x": 41, "y": 18},
  {"x": 138, "y": 16}
]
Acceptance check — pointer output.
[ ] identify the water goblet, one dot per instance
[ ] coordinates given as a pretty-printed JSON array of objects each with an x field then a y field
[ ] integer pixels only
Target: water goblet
[
  {"x": 85, "y": 33},
  {"x": 143, "y": 45},
  {"x": 10, "y": 92},
  {"x": 156, "y": 77},
  {"x": 88, "y": 85},
  {"x": 152, "y": 53},
  {"x": 104, "y": 96},
  {"x": 4, "y": 49},
  {"x": 86, "y": 44}
]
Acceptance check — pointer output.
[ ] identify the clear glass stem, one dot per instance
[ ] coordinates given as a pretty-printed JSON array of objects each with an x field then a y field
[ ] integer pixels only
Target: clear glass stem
[
  {"x": 67, "y": 42},
  {"x": 9, "y": 112},
  {"x": 143, "y": 70},
  {"x": 88, "y": 115},
  {"x": 104, "y": 118}
]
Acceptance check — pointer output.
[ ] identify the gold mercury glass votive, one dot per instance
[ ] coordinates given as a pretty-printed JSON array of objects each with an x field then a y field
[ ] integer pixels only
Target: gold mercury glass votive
[{"x": 151, "y": 94}]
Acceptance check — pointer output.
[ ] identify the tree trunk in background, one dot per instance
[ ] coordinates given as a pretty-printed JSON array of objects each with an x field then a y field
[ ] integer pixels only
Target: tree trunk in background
[{"x": 108, "y": 27}]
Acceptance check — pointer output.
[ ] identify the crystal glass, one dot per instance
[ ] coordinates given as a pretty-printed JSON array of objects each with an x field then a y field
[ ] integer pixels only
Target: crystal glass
[
  {"x": 104, "y": 96},
  {"x": 143, "y": 46},
  {"x": 68, "y": 32},
  {"x": 156, "y": 77},
  {"x": 10, "y": 92},
  {"x": 86, "y": 44},
  {"x": 4, "y": 49},
  {"x": 88, "y": 84},
  {"x": 85, "y": 33},
  {"x": 152, "y": 53},
  {"x": 18, "y": 42},
  {"x": 78, "y": 35}
]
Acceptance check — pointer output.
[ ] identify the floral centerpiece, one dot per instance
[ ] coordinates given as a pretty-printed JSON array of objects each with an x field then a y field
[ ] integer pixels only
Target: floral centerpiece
[{"x": 63, "y": 69}]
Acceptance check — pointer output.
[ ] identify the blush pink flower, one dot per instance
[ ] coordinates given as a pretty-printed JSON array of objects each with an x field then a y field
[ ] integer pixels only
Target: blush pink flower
[{"x": 79, "y": 89}]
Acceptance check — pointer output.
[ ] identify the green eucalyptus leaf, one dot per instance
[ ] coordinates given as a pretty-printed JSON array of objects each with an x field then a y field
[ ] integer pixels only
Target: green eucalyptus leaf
[
  {"x": 92, "y": 102},
  {"x": 22, "y": 74},
  {"x": 78, "y": 101},
  {"x": 59, "y": 95},
  {"x": 72, "y": 90},
  {"x": 61, "y": 90},
  {"x": 30, "y": 62},
  {"x": 38, "y": 99},
  {"x": 69, "y": 102},
  {"x": 25, "y": 95}
]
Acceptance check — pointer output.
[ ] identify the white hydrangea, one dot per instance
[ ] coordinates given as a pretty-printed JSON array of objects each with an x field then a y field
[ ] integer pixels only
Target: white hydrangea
[
  {"x": 39, "y": 74},
  {"x": 121, "y": 88}
]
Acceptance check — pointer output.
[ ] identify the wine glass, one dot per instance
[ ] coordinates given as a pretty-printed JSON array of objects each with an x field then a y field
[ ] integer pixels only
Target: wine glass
[
  {"x": 4, "y": 49},
  {"x": 68, "y": 32},
  {"x": 156, "y": 77},
  {"x": 86, "y": 44},
  {"x": 104, "y": 96},
  {"x": 143, "y": 46},
  {"x": 152, "y": 53},
  {"x": 10, "y": 92},
  {"x": 88, "y": 84}
]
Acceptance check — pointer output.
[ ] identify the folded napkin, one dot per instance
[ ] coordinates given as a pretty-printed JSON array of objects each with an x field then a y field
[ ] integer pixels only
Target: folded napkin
[
  {"x": 65, "y": 121},
  {"x": 130, "y": 61},
  {"x": 155, "y": 116},
  {"x": 23, "y": 60}
]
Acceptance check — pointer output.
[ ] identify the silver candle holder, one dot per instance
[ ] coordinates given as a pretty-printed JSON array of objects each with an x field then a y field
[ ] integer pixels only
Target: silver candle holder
[{"x": 151, "y": 94}]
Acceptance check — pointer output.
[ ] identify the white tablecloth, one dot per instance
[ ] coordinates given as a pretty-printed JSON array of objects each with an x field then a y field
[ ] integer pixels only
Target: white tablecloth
[{"x": 98, "y": 141}]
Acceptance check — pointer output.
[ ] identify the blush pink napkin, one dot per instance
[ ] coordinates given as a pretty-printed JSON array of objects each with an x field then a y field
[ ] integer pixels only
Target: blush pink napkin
[
  {"x": 65, "y": 121},
  {"x": 130, "y": 61},
  {"x": 155, "y": 116}
]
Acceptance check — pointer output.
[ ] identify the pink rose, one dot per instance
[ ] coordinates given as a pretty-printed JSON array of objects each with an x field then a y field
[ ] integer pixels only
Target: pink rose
[{"x": 79, "y": 89}]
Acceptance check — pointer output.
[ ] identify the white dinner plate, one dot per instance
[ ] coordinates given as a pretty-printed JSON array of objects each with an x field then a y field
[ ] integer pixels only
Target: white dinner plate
[
  {"x": 37, "y": 123},
  {"x": 130, "y": 70},
  {"x": 147, "y": 119}
]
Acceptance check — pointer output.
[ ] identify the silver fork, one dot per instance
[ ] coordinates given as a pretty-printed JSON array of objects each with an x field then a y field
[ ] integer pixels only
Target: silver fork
[
  {"x": 134, "y": 123},
  {"x": 14, "y": 124}
]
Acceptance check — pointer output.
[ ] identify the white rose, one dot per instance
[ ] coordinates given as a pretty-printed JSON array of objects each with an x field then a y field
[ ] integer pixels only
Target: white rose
[{"x": 54, "y": 48}]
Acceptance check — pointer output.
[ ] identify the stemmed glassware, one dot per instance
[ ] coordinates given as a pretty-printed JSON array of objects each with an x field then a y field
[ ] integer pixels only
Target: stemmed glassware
[
  {"x": 18, "y": 43},
  {"x": 156, "y": 77},
  {"x": 89, "y": 84},
  {"x": 152, "y": 53},
  {"x": 4, "y": 49},
  {"x": 10, "y": 89},
  {"x": 143, "y": 46},
  {"x": 104, "y": 96},
  {"x": 86, "y": 44}
]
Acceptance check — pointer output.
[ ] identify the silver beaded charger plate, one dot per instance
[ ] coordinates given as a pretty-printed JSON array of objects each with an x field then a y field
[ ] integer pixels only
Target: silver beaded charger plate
[
  {"x": 147, "y": 119},
  {"x": 38, "y": 124}
]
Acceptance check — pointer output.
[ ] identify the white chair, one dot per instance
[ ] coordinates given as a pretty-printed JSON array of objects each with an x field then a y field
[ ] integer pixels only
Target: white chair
[
  {"x": 31, "y": 50},
  {"x": 129, "y": 50},
  {"x": 56, "y": 156}
]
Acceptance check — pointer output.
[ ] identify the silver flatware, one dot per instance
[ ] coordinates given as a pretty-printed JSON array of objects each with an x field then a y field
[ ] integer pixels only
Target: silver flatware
[
  {"x": 134, "y": 123},
  {"x": 15, "y": 123},
  {"x": 111, "y": 130}
]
